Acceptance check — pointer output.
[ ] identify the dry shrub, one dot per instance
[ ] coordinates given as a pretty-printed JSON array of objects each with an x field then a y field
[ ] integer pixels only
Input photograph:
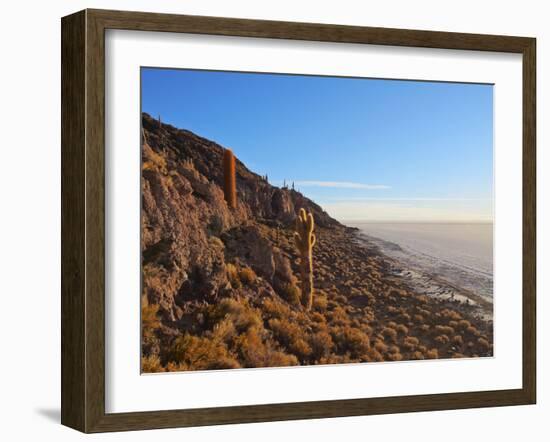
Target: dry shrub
[
  {"x": 318, "y": 326},
  {"x": 300, "y": 348},
  {"x": 417, "y": 355},
  {"x": 463, "y": 325},
  {"x": 150, "y": 322},
  {"x": 335, "y": 359},
  {"x": 402, "y": 329},
  {"x": 393, "y": 310},
  {"x": 233, "y": 275},
  {"x": 247, "y": 275},
  {"x": 341, "y": 299},
  {"x": 394, "y": 349},
  {"x": 368, "y": 315},
  {"x": 423, "y": 312},
  {"x": 399, "y": 293},
  {"x": 216, "y": 242},
  {"x": 419, "y": 319},
  {"x": 389, "y": 334},
  {"x": 432, "y": 354},
  {"x": 321, "y": 344},
  {"x": 380, "y": 346},
  {"x": 351, "y": 340},
  {"x": 320, "y": 302},
  {"x": 338, "y": 316},
  {"x": 373, "y": 355},
  {"x": 483, "y": 344},
  {"x": 451, "y": 314},
  {"x": 302, "y": 318},
  {"x": 422, "y": 348},
  {"x": 423, "y": 299},
  {"x": 239, "y": 312},
  {"x": 275, "y": 309},
  {"x": 280, "y": 359},
  {"x": 174, "y": 366},
  {"x": 410, "y": 343},
  {"x": 318, "y": 317},
  {"x": 224, "y": 330},
  {"x": 365, "y": 328},
  {"x": 151, "y": 364},
  {"x": 425, "y": 328},
  {"x": 458, "y": 340},
  {"x": 404, "y": 317},
  {"x": 442, "y": 339},
  {"x": 392, "y": 324},
  {"x": 155, "y": 162},
  {"x": 444, "y": 330},
  {"x": 371, "y": 298},
  {"x": 292, "y": 294},
  {"x": 473, "y": 331},
  {"x": 453, "y": 324},
  {"x": 216, "y": 227},
  {"x": 257, "y": 353},
  {"x": 395, "y": 356},
  {"x": 331, "y": 304},
  {"x": 284, "y": 331},
  {"x": 200, "y": 353},
  {"x": 457, "y": 356}
]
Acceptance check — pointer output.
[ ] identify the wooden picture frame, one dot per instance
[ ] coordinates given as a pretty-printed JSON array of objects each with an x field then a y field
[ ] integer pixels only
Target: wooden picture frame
[{"x": 83, "y": 220}]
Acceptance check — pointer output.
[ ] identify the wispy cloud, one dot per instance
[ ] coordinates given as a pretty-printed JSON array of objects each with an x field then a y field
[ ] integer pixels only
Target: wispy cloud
[{"x": 340, "y": 185}]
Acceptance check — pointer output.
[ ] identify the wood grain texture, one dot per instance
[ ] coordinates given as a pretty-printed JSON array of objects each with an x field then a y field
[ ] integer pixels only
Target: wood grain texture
[
  {"x": 95, "y": 221},
  {"x": 143, "y": 21},
  {"x": 73, "y": 253},
  {"x": 529, "y": 221},
  {"x": 83, "y": 220}
]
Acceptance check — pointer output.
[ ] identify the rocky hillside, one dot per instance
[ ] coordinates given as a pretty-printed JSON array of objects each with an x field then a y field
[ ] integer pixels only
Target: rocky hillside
[{"x": 220, "y": 286}]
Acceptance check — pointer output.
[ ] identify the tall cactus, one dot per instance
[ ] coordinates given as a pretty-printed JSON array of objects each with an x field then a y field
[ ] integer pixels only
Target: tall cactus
[
  {"x": 229, "y": 178},
  {"x": 305, "y": 240}
]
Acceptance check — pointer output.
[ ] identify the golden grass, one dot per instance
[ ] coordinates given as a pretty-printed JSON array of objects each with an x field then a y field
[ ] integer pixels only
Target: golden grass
[
  {"x": 233, "y": 275},
  {"x": 247, "y": 275},
  {"x": 321, "y": 344},
  {"x": 320, "y": 302},
  {"x": 150, "y": 322},
  {"x": 151, "y": 364},
  {"x": 201, "y": 353},
  {"x": 351, "y": 340},
  {"x": 292, "y": 294}
]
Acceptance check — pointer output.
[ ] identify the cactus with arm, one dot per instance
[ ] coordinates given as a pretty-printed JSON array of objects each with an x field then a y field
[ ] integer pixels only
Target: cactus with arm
[{"x": 305, "y": 240}]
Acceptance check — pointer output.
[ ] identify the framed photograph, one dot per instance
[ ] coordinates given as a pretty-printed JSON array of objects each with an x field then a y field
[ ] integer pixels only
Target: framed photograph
[{"x": 269, "y": 220}]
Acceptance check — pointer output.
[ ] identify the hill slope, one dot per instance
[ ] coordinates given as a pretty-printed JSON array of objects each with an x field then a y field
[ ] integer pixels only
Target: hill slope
[{"x": 219, "y": 284}]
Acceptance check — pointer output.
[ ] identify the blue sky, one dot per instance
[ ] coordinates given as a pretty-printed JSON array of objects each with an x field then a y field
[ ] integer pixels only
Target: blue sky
[{"x": 364, "y": 149}]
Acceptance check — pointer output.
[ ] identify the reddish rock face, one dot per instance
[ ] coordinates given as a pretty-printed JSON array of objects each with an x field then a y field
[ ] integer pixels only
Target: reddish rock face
[{"x": 185, "y": 219}]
